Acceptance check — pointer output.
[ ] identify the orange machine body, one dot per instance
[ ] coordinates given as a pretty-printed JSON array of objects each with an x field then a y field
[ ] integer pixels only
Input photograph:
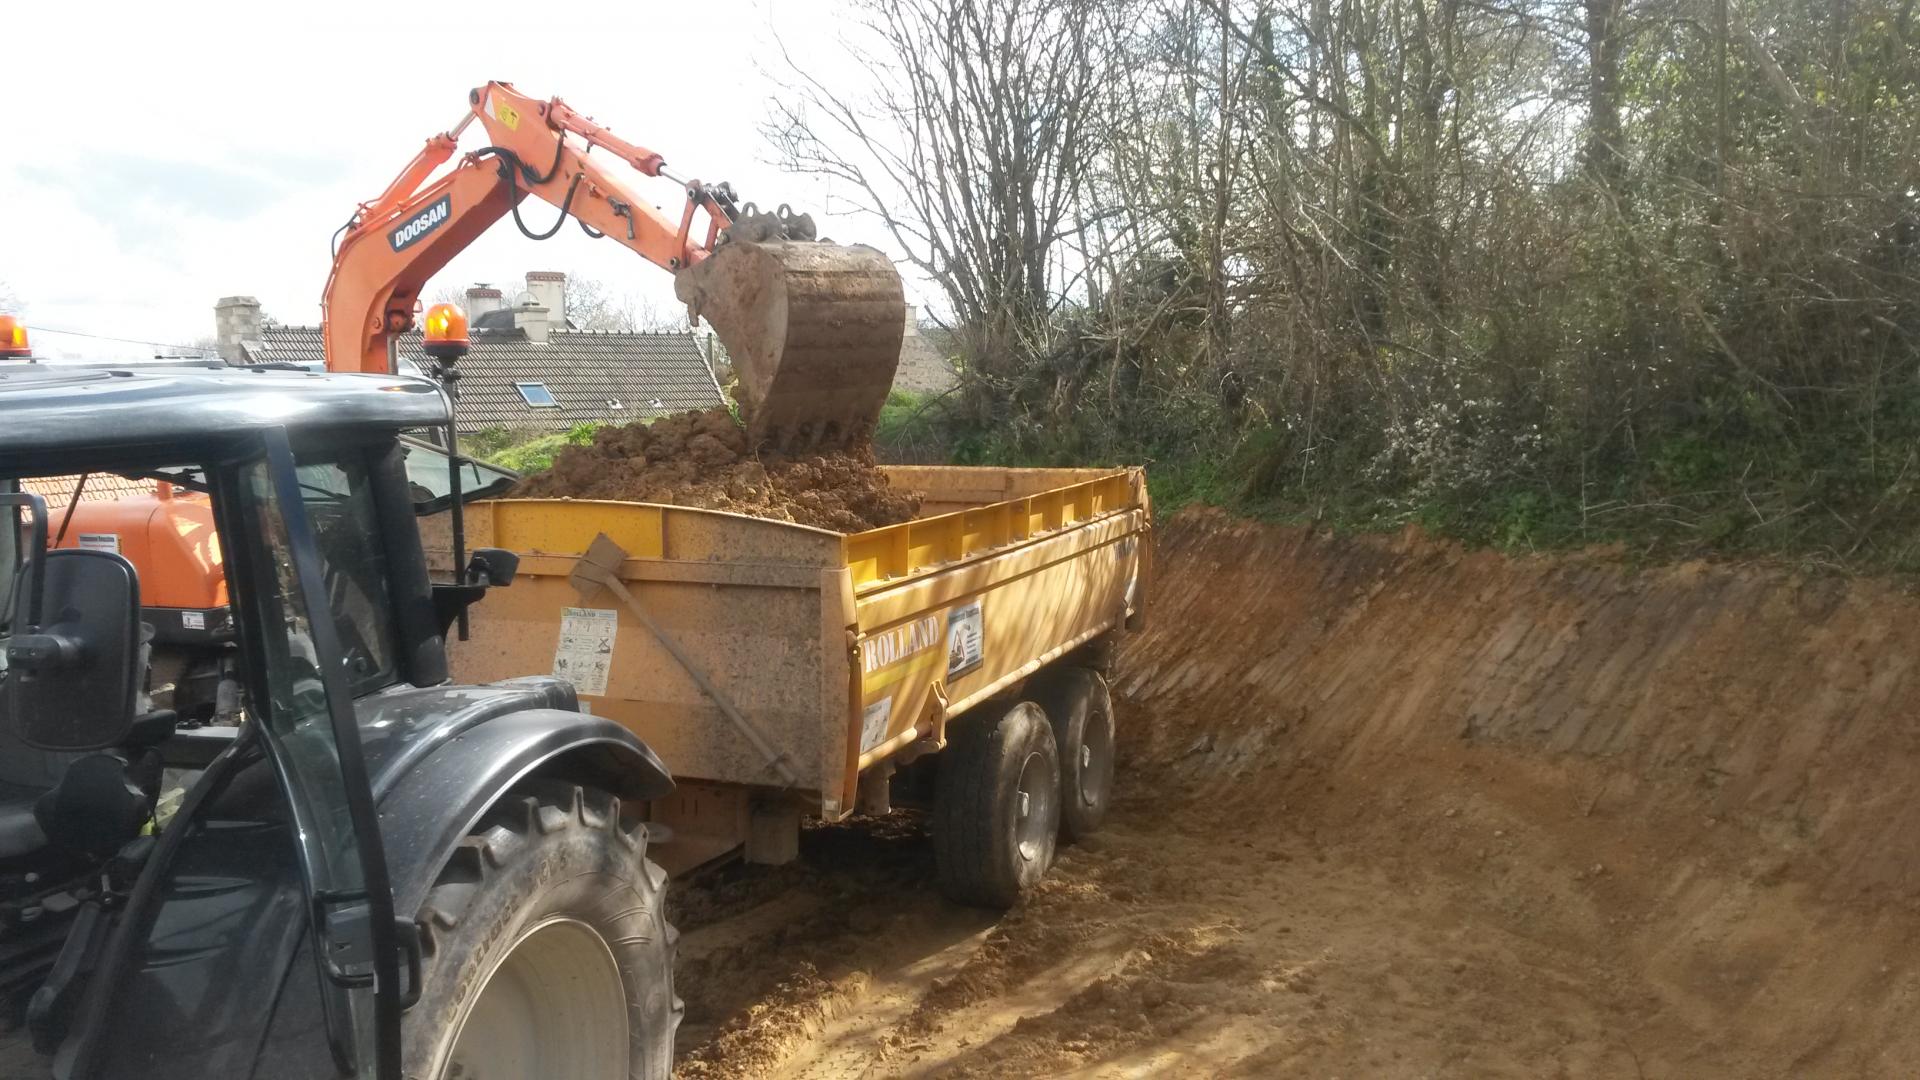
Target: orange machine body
[{"x": 170, "y": 536}]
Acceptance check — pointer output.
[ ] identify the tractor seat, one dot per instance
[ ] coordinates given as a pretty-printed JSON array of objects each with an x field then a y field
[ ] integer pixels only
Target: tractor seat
[
  {"x": 90, "y": 803},
  {"x": 25, "y": 775},
  {"x": 20, "y": 832}
]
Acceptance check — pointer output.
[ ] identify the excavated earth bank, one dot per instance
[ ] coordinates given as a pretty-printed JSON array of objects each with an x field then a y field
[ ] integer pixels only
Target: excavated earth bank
[
  {"x": 1396, "y": 809},
  {"x": 702, "y": 459}
]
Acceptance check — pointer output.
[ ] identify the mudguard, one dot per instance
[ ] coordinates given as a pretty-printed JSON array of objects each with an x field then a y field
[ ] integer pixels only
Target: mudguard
[{"x": 429, "y": 807}]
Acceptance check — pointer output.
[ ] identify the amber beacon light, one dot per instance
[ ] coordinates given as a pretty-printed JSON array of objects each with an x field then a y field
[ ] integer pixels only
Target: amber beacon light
[
  {"x": 446, "y": 332},
  {"x": 13, "y": 338}
]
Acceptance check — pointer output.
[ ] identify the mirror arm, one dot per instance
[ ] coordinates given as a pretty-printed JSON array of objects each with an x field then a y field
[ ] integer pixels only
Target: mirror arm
[
  {"x": 36, "y": 652},
  {"x": 36, "y": 552},
  {"x": 449, "y": 385}
]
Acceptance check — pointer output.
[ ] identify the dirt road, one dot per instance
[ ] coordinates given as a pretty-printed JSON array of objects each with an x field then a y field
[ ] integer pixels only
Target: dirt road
[
  {"x": 1397, "y": 810},
  {"x": 1444, "y": 925}
]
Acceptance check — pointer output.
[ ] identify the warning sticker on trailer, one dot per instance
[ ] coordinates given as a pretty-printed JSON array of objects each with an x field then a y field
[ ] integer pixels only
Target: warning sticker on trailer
[
  {"x": 585, "y": 653},
  {"x": 873, "y": 723},
  {"x": 101, "y": 542},
  {"x": 193, "y": 620},
  {"x": 966, "y": 639}
]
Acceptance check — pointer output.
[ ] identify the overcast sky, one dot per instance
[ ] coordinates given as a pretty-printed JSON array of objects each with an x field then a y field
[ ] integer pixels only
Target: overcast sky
[{"x": 160, "y": 156}]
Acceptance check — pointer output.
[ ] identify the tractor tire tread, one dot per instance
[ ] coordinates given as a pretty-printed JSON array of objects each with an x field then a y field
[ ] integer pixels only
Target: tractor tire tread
[{"x": 540, "y": 825}]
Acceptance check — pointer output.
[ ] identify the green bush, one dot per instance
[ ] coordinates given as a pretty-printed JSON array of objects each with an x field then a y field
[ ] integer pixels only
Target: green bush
[
  {"x": 488, "y": 441},
  {"x": 535, "y": 454}
]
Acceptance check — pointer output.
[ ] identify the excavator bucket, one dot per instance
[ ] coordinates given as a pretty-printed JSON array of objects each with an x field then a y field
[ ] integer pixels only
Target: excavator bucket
[{"x": 813, "y": 329}]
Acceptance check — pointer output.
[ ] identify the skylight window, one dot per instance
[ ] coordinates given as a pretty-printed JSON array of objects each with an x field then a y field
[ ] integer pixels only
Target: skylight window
[{"x": 536, "y": 394}]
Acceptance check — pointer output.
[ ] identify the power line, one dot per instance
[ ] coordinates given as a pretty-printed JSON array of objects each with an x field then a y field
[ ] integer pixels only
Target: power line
[{"x": 107, "y": 337}]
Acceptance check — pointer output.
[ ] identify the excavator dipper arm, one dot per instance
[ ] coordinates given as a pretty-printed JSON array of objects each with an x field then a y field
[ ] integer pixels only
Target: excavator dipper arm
[
  {"x": 401, "y": 239},
  {"x": 814, "y": 328}
]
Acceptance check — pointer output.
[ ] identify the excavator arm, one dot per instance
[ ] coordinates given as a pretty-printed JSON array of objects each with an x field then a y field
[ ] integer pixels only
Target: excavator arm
[{"x": 813, "y": 328}]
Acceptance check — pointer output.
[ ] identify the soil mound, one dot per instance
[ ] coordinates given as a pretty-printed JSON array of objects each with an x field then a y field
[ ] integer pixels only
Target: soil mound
[{"x": 702, "y": 459}]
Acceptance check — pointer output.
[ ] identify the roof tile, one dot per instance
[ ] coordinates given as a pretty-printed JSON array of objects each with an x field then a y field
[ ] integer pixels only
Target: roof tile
[{"x": 648, "y": 375}]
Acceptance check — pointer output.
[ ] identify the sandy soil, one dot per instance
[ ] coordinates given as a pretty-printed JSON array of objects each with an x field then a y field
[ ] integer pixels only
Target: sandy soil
[
  {"x": 703, "y": 459},
  {"x": 1399, "y": 810},
  {"x": 1452, "y": 925}
]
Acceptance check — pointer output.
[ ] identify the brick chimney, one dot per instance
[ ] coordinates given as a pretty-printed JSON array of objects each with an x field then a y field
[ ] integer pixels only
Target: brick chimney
[
  {"x": 549, "y": 289},
  {"x": 482, "y": 299},
  {"x": 534, "y": 320},
  {"x": 236, "y": 328}
]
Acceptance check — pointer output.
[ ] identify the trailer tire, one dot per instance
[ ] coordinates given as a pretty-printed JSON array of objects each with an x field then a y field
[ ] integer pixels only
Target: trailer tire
[
  {"x": 546, "y": 947},
  {"x": 1081, "y": 712},
  {"x": 996, "y": 809}
]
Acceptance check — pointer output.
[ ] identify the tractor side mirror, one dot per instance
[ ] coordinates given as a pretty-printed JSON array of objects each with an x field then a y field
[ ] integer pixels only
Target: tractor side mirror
[
  {"x": 488, "y": 568},
  {"x": 493, "y": 566},
  {"x": 73, "y": 673}
]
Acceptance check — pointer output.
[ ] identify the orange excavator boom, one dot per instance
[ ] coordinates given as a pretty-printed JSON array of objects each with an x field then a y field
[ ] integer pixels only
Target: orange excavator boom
[
  {"x": 414, "y": 228},
  {"x": 777, "y": 294}
]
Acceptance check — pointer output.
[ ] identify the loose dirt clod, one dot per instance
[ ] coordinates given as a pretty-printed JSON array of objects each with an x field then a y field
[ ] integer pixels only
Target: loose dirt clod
[{"x": 703, "y": 459}]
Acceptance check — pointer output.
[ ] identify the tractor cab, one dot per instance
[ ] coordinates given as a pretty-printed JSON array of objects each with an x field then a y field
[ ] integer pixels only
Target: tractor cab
[
  {"x": 298, "y": 484},
  {"x": 213, "y": 890},
  {"x": 163, "y": 522}
]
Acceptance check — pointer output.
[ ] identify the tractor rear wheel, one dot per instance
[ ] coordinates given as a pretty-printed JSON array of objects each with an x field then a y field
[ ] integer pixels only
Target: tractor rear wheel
[
  {"x": 547, "y": 950},
  {"x": 996, "y": 807}
]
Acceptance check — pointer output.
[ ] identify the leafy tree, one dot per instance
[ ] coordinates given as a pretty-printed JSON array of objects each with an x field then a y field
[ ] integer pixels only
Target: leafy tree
[{"x": 1530, "y": 271}]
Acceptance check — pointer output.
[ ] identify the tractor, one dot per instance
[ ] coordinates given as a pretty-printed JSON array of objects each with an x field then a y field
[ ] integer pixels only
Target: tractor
[{"x": 351, "y": 867}]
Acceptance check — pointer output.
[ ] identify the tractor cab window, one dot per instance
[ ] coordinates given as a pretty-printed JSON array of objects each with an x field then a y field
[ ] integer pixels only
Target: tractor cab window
[
  {"x": 335, "y": 491},
  {"x": 429, "y": 484},
  {"x": 338, "y": 494}
]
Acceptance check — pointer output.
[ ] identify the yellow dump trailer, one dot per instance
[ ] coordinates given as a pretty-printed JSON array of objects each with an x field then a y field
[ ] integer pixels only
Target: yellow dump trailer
[{"x": 782, "y": 670}]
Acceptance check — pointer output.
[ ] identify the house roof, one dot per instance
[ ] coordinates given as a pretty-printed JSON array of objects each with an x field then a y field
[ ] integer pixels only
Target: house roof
[
  {"x": 924, "y": 367},
  {"x": 100, "y": 487},
  {"x": 608, "y": 377}
]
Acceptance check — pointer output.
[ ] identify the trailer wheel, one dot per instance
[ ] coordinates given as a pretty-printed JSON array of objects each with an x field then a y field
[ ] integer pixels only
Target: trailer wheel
[
  {"x": 1081, "y": 711},
  {"x": 996, "y": 810},
  {"x": 547, "y": 950}
]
